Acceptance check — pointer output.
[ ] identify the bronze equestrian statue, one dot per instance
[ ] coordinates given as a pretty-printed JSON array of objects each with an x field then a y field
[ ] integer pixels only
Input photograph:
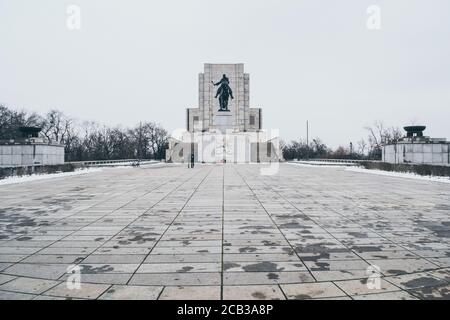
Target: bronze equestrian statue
[{"x": 224, "y": 92}]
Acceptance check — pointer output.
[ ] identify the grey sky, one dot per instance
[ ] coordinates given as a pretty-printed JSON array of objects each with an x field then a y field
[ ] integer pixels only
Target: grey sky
[{"x": 316, "y": 60}]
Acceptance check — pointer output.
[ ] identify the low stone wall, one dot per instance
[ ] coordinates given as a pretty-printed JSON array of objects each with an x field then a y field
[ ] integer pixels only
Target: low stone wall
[
  {"x": 27, "y": 170},
  {"x": 421, "y": 169},
  {"x": 31, "y": 154},
  {"x": 417, "y": 153}
]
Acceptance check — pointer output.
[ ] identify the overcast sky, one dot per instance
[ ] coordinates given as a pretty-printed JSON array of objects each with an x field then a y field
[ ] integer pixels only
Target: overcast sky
[{"x": 317, "y": 60}]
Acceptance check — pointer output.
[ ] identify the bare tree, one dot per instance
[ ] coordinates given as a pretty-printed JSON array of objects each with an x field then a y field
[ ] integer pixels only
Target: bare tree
[
  {"x": 298, "y": 149},
  {"x": 392, "y": 134},
  {"x": 139, "y": 136},
  {"x": 340, "y": 153},
  {"x": 11, "y": 120},
  {"x": 375, "y": 137},
  {"x": 379, "y": 135},
  {"x": 362, "y": 145},
  {"x": 319, "y": 148},
  {"x": 56, "y": 126},
  {"x": 89, "y": 140},
  {"x": 157, "y": 138}
]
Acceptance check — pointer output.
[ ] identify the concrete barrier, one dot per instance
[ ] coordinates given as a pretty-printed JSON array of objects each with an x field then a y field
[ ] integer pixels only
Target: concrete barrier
[
  {"x": 28, "y": 170},
  {"x": 421, "y": 169},
  {"x": 22, "y": 170}
]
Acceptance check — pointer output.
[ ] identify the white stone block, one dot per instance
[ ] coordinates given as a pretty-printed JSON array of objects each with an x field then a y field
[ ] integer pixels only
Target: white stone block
[
  {"x": 16, "y": 150},
  {"x": 6, "y": 159},
  {"x": 427, "y": 148},
  {"x": 417, "y": 158},
  {"x": 408, "y": 157},
  {"x": 27, "y": 160},
  {"x": 16, "y": 160},
  {"x": 38, "y": 159},
  {"x": 437, "y": 148},
  {"x": 7, "y": 150},
  {"x": 428, "y": 157},
  {"x": 409, "y": 148},
  {"x": 438, "y": 158},
  {"x": 417, "y": 148}
]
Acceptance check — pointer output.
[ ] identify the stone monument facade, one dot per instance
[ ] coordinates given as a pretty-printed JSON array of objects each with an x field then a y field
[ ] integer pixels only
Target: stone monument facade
[
  {"x": 223, "y": 128},
  {"x": 240, "y": 117}
]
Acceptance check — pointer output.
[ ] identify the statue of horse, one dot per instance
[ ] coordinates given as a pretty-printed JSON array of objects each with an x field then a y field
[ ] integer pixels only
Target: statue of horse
[{"x": 224, "y": 93}]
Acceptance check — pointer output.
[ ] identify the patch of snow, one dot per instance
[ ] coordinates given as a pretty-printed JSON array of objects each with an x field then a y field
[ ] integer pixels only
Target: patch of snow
[
  {"x": 302, "y": 164},
  {"x": 407, "y": 175},
  {"x": 43, "y": 176},
  {"x": 154, "y": 164}
]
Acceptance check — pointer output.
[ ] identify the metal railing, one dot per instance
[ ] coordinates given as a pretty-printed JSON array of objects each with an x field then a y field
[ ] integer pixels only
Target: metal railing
[
  {"x": 332, "y": 162},
  {"x": 94, "y": 163},
  {"x": 338, "y": 160},
  {"x": 91, "y": 163}
]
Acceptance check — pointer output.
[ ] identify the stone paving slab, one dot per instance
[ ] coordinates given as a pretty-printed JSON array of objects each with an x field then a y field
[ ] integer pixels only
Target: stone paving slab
[
  {"x": 28, "y": 285},
  {"x": 395, "y": 295},
  {"x": 258, "y": 292},
  {"x": 104, "y": 278},
  {"x": 313, "y": 290},
  {"x": 359, "y": 287},
  {"x": 8, "y": 295},
  {"x": 86, "y": 291},
  {"x": 121, "y": 292},
  {"x": 191, "y": 293},
  {"x": 225, "y": 232}
]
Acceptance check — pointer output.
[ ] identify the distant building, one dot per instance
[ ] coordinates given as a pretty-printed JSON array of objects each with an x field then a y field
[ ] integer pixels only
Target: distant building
[
  {"x": 224, "y": 128},
  {"x": 30, "y": 150},
  {"x": 417, "y": 148}
]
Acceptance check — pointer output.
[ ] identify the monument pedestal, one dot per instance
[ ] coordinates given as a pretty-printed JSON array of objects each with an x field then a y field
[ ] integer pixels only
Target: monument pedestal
[{"x": 223, "y": 121}]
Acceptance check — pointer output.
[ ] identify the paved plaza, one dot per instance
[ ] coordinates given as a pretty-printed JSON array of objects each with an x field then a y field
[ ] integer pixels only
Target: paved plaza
[{"x": 225, "y": 232}]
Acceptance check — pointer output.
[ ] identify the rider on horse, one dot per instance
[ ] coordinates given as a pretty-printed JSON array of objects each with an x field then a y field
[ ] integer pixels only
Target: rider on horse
[{"x": 224, "y": 92}]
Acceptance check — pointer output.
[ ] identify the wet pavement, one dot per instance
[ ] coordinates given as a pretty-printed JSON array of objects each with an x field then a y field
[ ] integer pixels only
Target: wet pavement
[{"x": 225, "y": 232}]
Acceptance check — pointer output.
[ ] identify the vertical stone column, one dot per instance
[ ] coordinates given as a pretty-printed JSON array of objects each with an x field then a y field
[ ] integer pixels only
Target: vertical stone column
[
  {"x": 207, "y": 96},
  {"x": 246, "y": 112},
  {"x": 201, "y": 93}
]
